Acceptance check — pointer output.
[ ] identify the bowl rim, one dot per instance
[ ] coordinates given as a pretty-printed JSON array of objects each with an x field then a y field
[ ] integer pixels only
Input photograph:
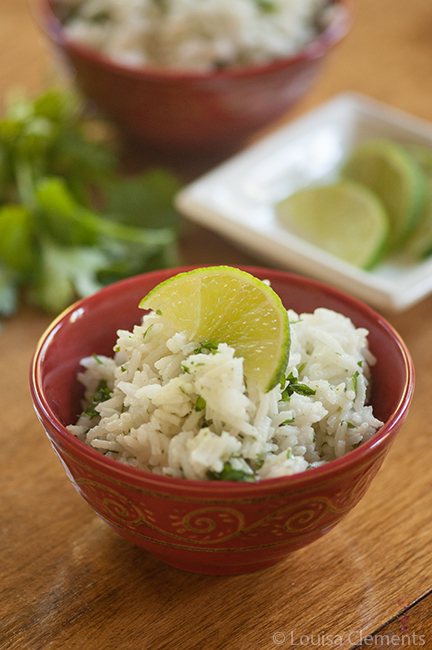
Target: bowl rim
[
  {"x": 330, "y": 36},
  {"x": 324, "y": 473}
]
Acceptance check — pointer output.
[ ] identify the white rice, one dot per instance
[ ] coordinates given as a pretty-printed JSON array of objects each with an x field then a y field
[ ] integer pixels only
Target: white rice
[
  {"x": 174, "y": 411},
  {"x": 195, "y": 34}
]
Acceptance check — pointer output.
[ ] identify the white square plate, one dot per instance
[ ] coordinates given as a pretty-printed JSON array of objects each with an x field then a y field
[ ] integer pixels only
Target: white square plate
[{"x": 237, "y": 198}]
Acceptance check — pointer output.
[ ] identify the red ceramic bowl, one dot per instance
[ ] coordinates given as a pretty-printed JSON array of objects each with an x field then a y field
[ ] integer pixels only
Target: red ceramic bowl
[
  {"x": 213, "y": 527},
  {"x": 194, "y": 110}
]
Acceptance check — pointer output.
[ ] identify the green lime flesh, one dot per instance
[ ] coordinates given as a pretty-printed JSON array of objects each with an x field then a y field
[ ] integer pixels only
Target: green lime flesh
[
  {"x": 344, "y": 219},
  {"x": 223, "y": 304},
  {"x": 393, "y": 174}
]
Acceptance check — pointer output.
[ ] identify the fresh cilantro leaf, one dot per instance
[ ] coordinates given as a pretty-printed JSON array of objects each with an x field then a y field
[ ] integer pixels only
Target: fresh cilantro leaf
[
  {"x": 16, "y": 237},
  {"x": 230, "y": 474},
  {"x": 125, "y": 198},
  {"x": 61, "y": 214},
  {"x": 211, "y": 346},
  {"x": 200, "y": 403},
  {"x": 102, "y": 394},
  {"x": 354, "y": 380},
  {"x": 81, "y": 162},
  {"x": 64, "y": 273},
  {"x": 295, "y": 387}
]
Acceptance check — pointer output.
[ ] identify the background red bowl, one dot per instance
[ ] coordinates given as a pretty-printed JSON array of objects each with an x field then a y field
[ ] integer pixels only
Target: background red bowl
[
  {"x": 213, "y": 527},
  {"x": 194, "y": 110}
]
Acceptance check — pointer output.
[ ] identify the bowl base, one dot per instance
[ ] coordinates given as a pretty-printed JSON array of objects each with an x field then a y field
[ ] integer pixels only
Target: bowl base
[{"x": 219, "y": 569}]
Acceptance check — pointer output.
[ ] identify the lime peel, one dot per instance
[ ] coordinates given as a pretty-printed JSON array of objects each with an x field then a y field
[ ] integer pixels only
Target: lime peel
[
  {"x": 394, "y": 175},
  {"x": 224, "y": 304},
  {"x": 419, "y": 245}
]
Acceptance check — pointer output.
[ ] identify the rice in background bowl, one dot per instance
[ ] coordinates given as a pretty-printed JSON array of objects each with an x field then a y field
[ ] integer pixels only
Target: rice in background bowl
[
  {"x": 215, "y": 527},
  {"x": 193, "y": 110},
  {"x": 203, "y": 35}
]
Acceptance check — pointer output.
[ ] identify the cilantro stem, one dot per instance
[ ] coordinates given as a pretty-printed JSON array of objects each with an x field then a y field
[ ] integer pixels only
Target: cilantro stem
[{"x": 25, "y": 184}]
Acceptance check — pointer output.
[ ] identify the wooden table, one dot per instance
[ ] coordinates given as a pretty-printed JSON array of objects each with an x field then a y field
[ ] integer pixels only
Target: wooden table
[{"x": 69, "y": 582}]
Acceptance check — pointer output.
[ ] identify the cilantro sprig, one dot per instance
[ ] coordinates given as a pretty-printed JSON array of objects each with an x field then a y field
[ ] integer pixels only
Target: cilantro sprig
[
  {"x": 102, "y": 394},
  {"x": 294, "y": 386},
  {"x": 69, "y": 223}
]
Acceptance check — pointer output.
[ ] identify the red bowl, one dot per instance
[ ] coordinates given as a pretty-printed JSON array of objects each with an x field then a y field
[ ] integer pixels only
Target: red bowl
[
  {"x": 211, "y": 526},
  {"x": 194, "y": 110}
]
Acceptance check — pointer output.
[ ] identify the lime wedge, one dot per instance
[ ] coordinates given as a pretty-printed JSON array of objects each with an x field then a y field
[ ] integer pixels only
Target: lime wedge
[
  {"x": 388, "y": 169},
  {"x": 422, "y": 155},
  {"x": 345, "y": 219},
  {"x": 222, "y": 304},
  {"x": 420, "y": 242}
]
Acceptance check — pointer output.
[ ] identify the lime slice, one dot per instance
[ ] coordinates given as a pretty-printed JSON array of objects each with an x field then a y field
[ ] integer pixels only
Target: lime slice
[
  {"x": 221, "y": 304},
  {"x": 422, "y": 155},
  {"x": 420, "y": 242},
  {"x": 389, "y": 170},
  {"x": 345, "y": 219}
]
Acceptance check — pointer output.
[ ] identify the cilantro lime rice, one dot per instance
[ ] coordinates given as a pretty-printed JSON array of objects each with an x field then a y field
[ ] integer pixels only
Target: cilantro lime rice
[
  {"x": 183, "y": 408},
  {"x": 195, "y": 34}
]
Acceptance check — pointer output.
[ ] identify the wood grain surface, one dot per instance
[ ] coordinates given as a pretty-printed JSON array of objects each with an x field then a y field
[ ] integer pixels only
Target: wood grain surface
[{"x": 68, "y": 582}]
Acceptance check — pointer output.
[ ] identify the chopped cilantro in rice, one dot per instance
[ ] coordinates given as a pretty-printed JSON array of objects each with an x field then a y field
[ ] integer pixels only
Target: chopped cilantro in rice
[{"x": 182, "y": 408}]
